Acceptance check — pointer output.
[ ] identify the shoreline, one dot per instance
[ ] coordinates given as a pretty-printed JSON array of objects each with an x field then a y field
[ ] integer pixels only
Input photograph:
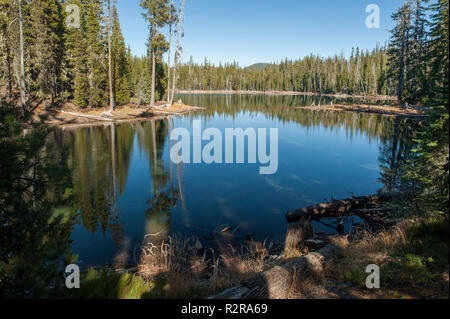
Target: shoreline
[
  {"x": 387, "y": 110},
  {"x": 286, "y": 93},
  {"x": 73, "y": 117},
  {"x": 271, "y": 270}
]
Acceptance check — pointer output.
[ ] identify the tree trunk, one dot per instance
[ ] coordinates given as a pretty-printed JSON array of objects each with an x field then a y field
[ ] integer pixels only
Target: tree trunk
[
  {"x": 338, "y": 208},
  {"x": 168, "y": 60},
  {"x": 22, "y": 63},
  {"x": 173, "y": 85},
  {"x": 8, "y": 66},
  {"x": 152, "y": 99},
  {"x": 177, "y": 50},
  {"x": 111, "y": 91}
]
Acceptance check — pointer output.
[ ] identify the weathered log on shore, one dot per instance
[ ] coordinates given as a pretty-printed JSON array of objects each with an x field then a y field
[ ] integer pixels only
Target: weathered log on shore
[
  {"x": 337, "y": 208},
  {"x": 92, "y": 117},
  {"x": 411, "y": 113},
  {"x": 276, "y": 282}
]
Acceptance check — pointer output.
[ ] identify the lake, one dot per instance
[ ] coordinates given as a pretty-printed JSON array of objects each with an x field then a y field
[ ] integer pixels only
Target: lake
[{"x": 125, "y": 187}]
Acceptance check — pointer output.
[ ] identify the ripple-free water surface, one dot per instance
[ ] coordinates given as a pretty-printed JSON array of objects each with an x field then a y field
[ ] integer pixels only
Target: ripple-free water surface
[{"x": 139, "y": 191}]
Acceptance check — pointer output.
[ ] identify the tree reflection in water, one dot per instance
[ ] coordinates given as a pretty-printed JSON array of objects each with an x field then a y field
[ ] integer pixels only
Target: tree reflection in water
[{"x": 101, "y": 156}]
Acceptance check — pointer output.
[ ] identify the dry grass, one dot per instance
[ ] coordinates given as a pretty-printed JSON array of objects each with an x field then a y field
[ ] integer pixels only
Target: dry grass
[
  {"x": 366, "y": 249},
  {"x": 308, "y": 288},
  {"x": 412, "y": 256},
  {"x": 175, "y": 266},
  {"x": 377, "y": 247},
  {"x": 235, "y": 265},
  {"x": 181, "y": 268},
  {"x": 295, "y": 238},
  {"x": 176, "y": 255}
]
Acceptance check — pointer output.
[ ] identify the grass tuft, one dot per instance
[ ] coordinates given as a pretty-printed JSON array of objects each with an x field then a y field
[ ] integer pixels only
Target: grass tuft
[{"x": 413, "y": 259}]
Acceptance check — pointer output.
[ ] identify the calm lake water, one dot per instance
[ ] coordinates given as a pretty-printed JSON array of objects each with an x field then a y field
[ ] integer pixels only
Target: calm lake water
[{"x": 322, "y": 155}]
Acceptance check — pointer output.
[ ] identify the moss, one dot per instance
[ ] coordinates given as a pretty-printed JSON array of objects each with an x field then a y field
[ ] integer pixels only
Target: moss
[
  {"x": 413, "y": 266},
  {"x": 354, "y": 278},
  {"x": 108, "y": 285},
  {"x": 423, "y": 260}
]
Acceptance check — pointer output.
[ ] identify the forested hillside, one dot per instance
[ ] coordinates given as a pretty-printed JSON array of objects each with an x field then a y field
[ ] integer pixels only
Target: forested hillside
[{"x": 362, "y": 73}]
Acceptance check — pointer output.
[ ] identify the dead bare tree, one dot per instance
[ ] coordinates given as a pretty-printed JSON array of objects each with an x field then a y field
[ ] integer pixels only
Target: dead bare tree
[
  {"x": 172, "y": 19},
  {"x": 178, "y": 48},
  {"x": 140, "y": 90}
]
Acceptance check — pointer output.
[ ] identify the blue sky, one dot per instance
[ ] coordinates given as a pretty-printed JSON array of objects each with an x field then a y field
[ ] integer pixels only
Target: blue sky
[{"x": 253, "y": 31}]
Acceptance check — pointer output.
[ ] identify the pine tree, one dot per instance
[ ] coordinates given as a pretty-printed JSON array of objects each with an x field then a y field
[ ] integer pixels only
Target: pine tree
[
  {"x": 35, "y": 228},
  {"x": 96, "y": 53},
  {"x": 87, "y": 57},
  {"x": 432, "y": 169},
  {"x": 47, "y": 47},
  {"x": 399, "y": 49},
  {"x": 6, "y": 45},
  {"x": 417, "y": 77},
  {"x": 110, "y": 62},
  {"x": 21, "y": 55},
  {"x": 77, "y": 60},
  {"x": 157, "y": 14},
  {"x": 120, "y": 63},
  {"x": 160, "y": 46}
]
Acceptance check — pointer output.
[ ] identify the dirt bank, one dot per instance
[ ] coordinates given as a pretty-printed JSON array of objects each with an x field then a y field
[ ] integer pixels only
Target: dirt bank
[{"x": 72, "y": 116}]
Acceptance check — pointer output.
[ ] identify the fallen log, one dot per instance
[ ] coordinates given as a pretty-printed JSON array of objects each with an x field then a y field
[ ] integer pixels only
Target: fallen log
[
  {"x": 371, "y": 210},
  {"x": 93, "y": 117},
  {"x": 398, "y": 112},
  {"x": 275, "y": 283},
  {"x": 338, "y": 208}
]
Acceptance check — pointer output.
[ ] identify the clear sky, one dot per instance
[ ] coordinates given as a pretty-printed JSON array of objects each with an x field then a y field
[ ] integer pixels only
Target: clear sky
[{"x": 253, "y": 31}]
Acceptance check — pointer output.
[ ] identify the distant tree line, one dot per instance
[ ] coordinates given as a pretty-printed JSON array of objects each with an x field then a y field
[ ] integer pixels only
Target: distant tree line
[
  {"x": 405, "y": 67},
  {"x": 363, "y": 72}
]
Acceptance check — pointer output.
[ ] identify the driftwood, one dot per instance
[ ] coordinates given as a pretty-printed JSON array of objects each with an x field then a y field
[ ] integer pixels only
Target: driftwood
[
  {"x": 337, "y": 208},
  {"x": 275, "y": 283},
  {"x": 94, "y": 117},
  {"x": 402, "y": 113}
]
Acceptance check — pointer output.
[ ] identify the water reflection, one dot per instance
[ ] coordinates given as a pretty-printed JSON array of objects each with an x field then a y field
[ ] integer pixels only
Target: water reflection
[
  {"x": 152, "y": 137},
  {"x": 395, "y": 153},
  {"x": 127, "y": 190},
  {"x": 94, "y": 176}
]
